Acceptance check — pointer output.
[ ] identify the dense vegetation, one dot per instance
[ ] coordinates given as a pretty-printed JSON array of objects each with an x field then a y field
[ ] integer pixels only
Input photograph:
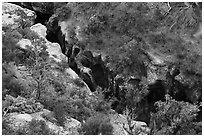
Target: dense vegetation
[{"x": 125, "y": 34}]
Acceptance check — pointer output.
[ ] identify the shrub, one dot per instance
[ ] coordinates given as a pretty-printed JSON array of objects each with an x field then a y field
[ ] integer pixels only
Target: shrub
[
  {"x": 101, "y": 105},
  {"x": 35, "y": 127},
  {"x": 60, "y": 110},
  {"x": 98, "y": 124},
  {"x": 174, "y": 118},
  {"x": 74, "y": 107},
  {"x": 11, "y": 51},
  {"x": 39, "y": 127},
  {"x": 74, "y": 102},
  {"x": 7, "y": 131},
  {"x": 21, "y": 105},
  {"x": 11, "y": 84}
]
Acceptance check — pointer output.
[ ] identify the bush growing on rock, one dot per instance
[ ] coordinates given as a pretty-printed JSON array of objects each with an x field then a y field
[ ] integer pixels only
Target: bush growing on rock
[
  {"x": 102, "y": 106},
  {"x": 75, "y": 106},
  {"x": 35, "y": 127},
  {"x": 20, "y": 105},
  {"x": 175, "y": 118},
  {"x": 7, "y": 131},
  {"x": 10, "y": 51},
  {"x": 10, "y": 84},
  {"x": 39, "y": 127},
  {"x": 97, "y": 125},
  {"x": 73, "y": 102}
]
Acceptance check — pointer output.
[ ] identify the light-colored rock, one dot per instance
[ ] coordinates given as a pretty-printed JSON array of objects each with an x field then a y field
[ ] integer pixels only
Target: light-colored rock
[
  {"x": 15, "y": 121},
  {"x": 25, "y": 43},
  {"x": 140, "y": 128},
  {"x": 71, "y": 126},
  {"x": 72, "y": 123},
  {"x": 53, "y": 49},
  {"x": 121, "y": 126},
  {"x": 23, "y": 117},
  {"x": 118, "y": 122},
  {"x": 14, "y": 16},
  {"x": 39, "y": 29},
  {"x": 46, "y": 115},
  {"x": 71, "y": 73},
  {"x": 55, "y": 52},
  {"x": 69, "y": 78},
  {"x": 54, "y": 128}
]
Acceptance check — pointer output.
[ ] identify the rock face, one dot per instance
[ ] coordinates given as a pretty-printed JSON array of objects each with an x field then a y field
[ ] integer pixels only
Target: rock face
[
  {"x": 71, "y": 126},
  {"x": 140, "y": 128},
  {"x": 121, "y": 126},
  {"x": 15, "y": 122},
  {"x": 43, "y": 9},
  {"x": 93, "y": 66},
  {"x": 53, "y": 49},
  {"x": 14, "y": 16},
  {"x": 79, "y": 60},
  {"x": 118, "y": 123},
  {"x": 39, "y": 29},
  {"x": 54, "y": 33},
  {"x": 20, "y": 117}
]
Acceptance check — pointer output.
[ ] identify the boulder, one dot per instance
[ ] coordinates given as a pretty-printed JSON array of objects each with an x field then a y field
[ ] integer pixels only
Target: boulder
[
  {"x": 139, "y": 128},
  {"x": 71, "y": 73},
  {"x": 53, "y": 49},
  {"x": 39, "y": 29},
  {"x": 15, "y": 122},
  {"x": 49, "y": 120},
  {"x": 54, "y": 128},
  {"x": 25, "y": 43},
  {"x": 20, "y": 124},
  {"x": 74, "y": 84},
  {"x": 118, "y": 122},
  {"x": 121, "y": 126},
  {"x": 14, "y": 17},
  {"x": 45, "y": 115},
  {"x": 71, "y": 126}
]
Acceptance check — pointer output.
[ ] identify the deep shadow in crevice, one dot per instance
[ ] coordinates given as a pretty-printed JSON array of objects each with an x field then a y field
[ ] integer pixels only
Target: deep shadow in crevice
[{"x": 42, "y": 18}]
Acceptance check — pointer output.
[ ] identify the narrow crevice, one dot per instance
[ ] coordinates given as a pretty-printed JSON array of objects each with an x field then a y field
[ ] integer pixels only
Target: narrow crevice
[{"x": 42, "y": 18}]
